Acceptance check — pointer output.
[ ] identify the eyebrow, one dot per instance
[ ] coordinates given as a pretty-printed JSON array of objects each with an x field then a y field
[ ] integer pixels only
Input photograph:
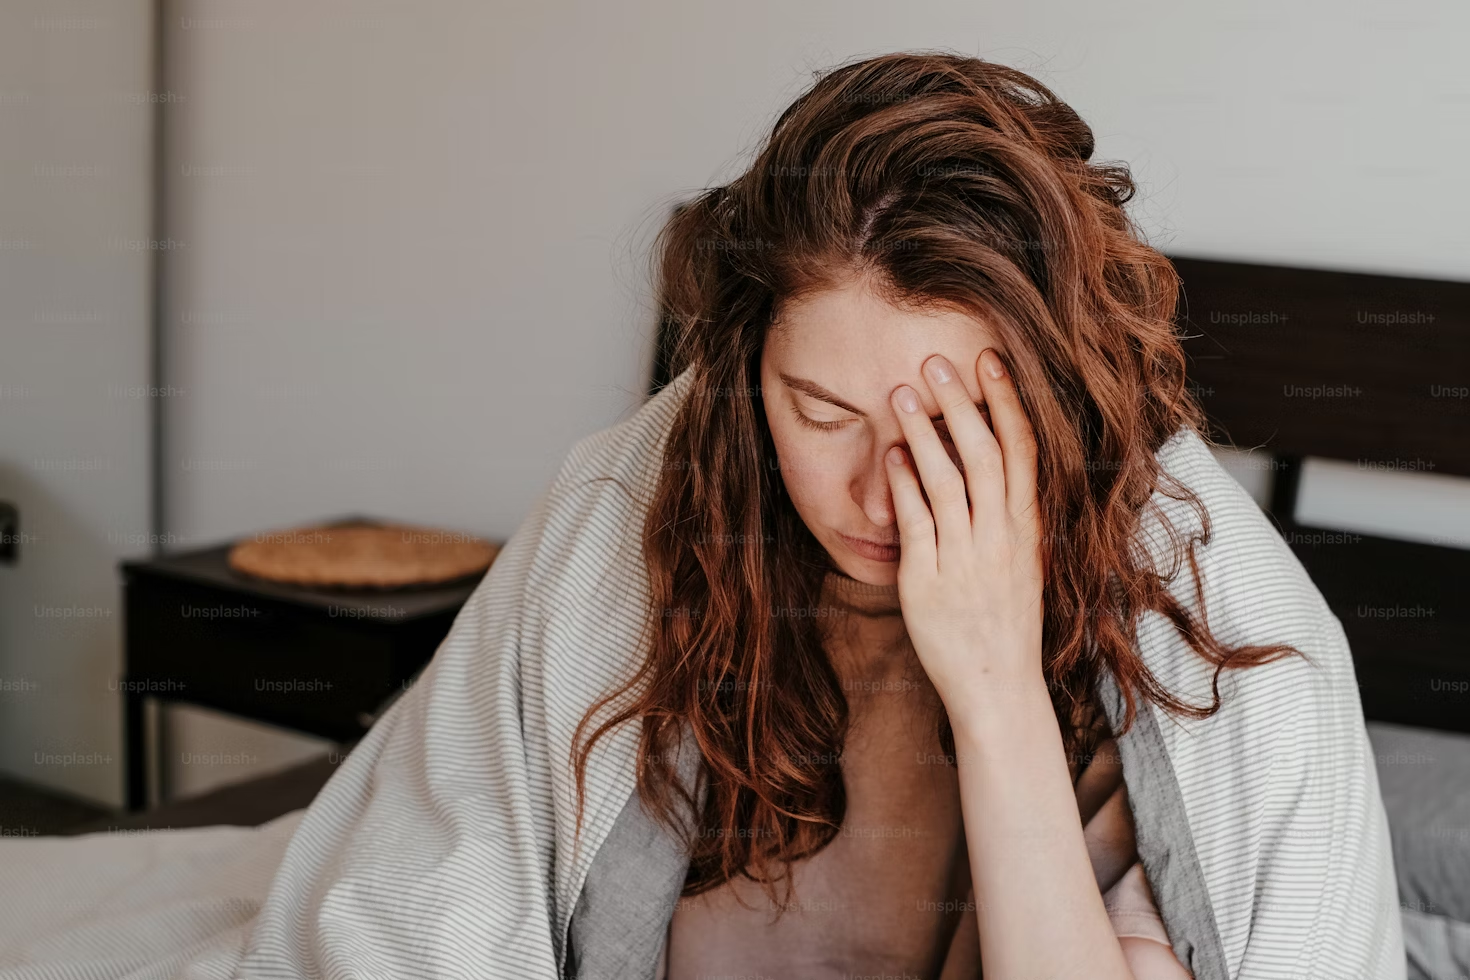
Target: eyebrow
[{"x": 816, "y": 391}]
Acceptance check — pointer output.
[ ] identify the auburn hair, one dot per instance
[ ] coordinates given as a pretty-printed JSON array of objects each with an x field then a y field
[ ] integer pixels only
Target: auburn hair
[{"x": 947, "y": 181}]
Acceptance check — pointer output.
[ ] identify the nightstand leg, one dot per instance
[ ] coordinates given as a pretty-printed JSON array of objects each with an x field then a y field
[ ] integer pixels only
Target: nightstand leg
[{"x": 135, "y": 734}]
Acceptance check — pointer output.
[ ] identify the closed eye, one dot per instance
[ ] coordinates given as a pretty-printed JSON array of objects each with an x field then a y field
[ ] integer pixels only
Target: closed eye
[
  {"x": 812, "y": 423},
  {"x": 941, "y": 427}
]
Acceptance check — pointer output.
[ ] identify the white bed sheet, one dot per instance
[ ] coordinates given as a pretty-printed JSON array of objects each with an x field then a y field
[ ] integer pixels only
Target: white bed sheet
[{"x": 135, "y": 905}]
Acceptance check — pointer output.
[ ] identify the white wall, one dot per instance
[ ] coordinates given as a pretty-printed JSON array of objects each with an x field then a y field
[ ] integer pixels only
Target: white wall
[
  {"x": 74, "y": 284},
  {"x": 414, "y": 269}
]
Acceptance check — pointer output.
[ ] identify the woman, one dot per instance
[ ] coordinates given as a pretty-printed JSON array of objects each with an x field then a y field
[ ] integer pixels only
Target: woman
[
  {"x": 930, "y": 367},
  {"x": 912, "y": 225},
  {"x": 905, "y": 596}
]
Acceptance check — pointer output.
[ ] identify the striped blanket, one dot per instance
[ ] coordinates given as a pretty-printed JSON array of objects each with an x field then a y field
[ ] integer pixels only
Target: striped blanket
[{"x": 444, "y": 846}]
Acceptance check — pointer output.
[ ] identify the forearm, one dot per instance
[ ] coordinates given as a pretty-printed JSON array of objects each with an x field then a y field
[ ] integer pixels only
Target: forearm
[{"x": 1039, "y": 911}]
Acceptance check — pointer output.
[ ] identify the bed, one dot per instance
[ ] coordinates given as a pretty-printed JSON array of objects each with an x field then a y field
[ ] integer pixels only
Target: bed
[
  {"x": 1302, "y": 364},
  {"x": 1372, "y": 370}
]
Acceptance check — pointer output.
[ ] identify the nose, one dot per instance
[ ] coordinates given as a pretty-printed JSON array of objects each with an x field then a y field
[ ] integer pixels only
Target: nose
[{"x": 870, "y": 489}]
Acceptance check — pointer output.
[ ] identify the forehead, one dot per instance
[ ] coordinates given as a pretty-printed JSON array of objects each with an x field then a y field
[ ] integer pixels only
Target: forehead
[{"x": 858, "y": 345}]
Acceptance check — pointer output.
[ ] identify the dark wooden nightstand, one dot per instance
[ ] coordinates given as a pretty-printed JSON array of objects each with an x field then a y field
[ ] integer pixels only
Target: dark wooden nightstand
[{"x": 315, "y": 660}]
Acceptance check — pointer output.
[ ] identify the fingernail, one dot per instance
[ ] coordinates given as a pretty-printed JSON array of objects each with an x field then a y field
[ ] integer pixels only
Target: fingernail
[
  {"x": 993, "y": 365},
  {"x": 907, "y": 400},
  {"x": 938, "y": 369},
  {"x": 895, "y": 456}
]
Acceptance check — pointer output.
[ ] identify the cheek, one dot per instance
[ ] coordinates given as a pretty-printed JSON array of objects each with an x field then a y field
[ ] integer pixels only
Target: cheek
[{"x": 815, "y": 470}]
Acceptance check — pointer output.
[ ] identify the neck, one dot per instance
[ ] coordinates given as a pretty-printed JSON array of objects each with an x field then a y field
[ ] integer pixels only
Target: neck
[{"x": 863, "y": 631}]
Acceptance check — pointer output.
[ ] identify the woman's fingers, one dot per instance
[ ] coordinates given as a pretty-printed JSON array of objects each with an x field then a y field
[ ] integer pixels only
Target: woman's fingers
[
  {"x": 941, "y": 478},
  {"x": 916, "y": 536},
  {"x": 1013, "y": 429},
  {"x": 978, "y": 449}
]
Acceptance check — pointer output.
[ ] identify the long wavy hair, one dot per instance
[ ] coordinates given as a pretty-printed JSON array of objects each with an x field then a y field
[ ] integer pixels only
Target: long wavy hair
[{"x": 948, "y": 181}]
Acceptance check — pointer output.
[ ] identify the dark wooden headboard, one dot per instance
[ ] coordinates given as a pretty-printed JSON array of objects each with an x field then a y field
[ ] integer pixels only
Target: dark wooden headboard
[
  {"x": 1372, "y": 370},
  {"x": 1345, "y": 366}
]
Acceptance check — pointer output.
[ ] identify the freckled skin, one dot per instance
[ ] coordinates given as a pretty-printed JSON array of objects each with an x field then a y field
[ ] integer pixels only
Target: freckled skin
[
  {"x": 884, "y": 896},
  {"x": 857, "y": 346}
]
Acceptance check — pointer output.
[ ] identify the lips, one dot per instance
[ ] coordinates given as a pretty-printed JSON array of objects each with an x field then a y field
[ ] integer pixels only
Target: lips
[{"x": 872, "y": 550}]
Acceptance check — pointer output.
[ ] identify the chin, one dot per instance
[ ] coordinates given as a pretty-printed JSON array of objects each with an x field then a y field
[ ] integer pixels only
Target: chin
[{"x": 873, "y": 572}]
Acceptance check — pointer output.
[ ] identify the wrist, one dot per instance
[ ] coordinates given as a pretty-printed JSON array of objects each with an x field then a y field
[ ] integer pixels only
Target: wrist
[{"x": 1001, "y": 710}]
